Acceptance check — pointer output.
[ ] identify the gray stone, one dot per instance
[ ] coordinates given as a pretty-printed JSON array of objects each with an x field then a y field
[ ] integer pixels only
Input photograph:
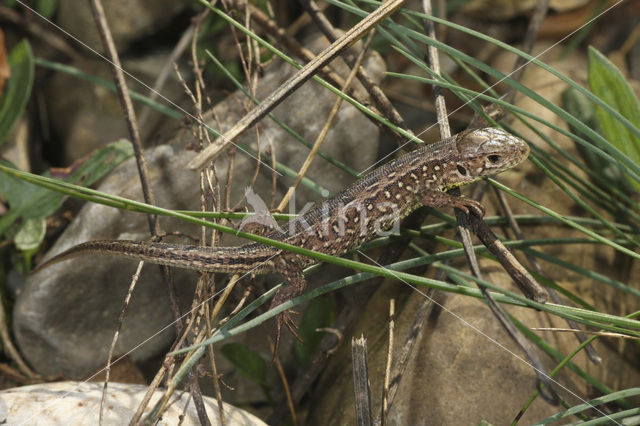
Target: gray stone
[
  {"x": 83, "y": 115},
  {"x": 65, "y": 316},
  {"x": 128, "y": 20}
]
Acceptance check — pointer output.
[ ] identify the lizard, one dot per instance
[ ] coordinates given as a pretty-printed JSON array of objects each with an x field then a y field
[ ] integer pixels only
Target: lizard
[{"x": 343, "y": 222}]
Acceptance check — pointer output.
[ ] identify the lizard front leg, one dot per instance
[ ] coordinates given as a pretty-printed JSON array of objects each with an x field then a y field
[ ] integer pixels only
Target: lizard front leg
[{"x": 439, "y": 199}]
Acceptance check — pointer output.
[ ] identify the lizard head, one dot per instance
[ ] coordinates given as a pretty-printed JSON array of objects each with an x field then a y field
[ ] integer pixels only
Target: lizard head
[{"x": 485, "y": 152}]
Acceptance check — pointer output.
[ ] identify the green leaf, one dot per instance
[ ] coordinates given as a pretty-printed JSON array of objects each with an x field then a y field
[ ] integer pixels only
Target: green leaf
[
  {"x": 319, "y": 314},
  {"x": 27, "y": 201},
  {"x": 18, "y": 88},
  {"x": 31, "y": 234},
  {"x": 29, "y": 237},
  {"x": 248, "y": 362},
  {"x": 607, "y": 82},
  {"x": 584, "y": 110}
]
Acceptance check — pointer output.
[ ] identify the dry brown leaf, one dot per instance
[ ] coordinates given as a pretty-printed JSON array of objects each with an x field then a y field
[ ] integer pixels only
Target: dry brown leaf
[{"x": 5, "y": 71}]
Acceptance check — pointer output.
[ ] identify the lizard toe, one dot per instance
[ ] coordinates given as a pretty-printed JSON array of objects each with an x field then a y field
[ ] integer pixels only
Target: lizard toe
[
  {"x": 470, "y": 206},
  {"x": 284, "y": 319}
]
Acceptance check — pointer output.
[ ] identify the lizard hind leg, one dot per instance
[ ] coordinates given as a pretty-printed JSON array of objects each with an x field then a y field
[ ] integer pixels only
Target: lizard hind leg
[{"x": 296, "y": 286}]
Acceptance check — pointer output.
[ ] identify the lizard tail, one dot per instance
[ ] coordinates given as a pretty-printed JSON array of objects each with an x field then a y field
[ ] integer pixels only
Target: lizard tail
[{"x": 255, "y": 258}]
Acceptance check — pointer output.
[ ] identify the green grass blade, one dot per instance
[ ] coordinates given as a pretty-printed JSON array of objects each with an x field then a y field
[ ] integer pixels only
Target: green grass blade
[{"x": 17, "y": 89}]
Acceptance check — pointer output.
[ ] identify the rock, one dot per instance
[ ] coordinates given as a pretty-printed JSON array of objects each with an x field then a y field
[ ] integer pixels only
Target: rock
[
  {"x": 65, "y": 316},
  {"x": 83, "y": 115},
  {"x": 128, "y": 21},
  {"x": 75, "y": 403},
  {"x": 456, "y": 375}
]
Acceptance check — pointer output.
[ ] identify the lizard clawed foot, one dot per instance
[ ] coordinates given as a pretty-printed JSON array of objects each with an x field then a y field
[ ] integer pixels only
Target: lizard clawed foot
[
  {"x": 296, "y": 286},
  {"x": 469, "y": 206},
  {"x": 285, "y": 319}
]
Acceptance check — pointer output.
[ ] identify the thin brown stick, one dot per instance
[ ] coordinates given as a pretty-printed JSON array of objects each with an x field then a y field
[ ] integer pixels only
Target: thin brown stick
[
  {"x": 434, "y": 61},
  {"x": 420, "y": 318},
  {"x": 147, "y": 396},
  {"x": 169, "y": 363},
  {"x": 251, "y": 76},
  {"x": 206, "y": 282},
  {"x": 327, "y": 126},
  {"x": 199, "y": 86},
  {"x": 361, "y": 381},
  {"x": 462, "y": 221},
  {"x": 155, "y": 383},
  {"x": 283, "y": 380},
  {"x": 520, "y": 275},
  {"x": 36, "y": 29},
  {"x": 442, "y": 14},
  {"x": 283, "y": 37},
  {"x": 288, "y": 41},
  {"x": 256, "y": 114},
  {"x": 127, "y": 105},
  {"x": 527, "y": 284},
  {"x": 165, "y": 370},
  {"x": 116, "y": 335},
  {"x": 9, "y": 348},
  {"x": 16, "y": 376},
  {"x": 198, "y": 402},
  {"x": 243, "y": 299},
  {"x": 210, "y": 348},
  {"x": 480, "y": 229},
  {"x": 162, "y": 402},
  {"x": 163, "y": 75},
  {"x": 200, "y": 308},
  {"x": 426, "y": 305},
  {"x": 527, "y": 45},
  {"x": 377, "y": 95},
  {"x": 590, "y": 350},
  {"x": 384, "y": 406}
]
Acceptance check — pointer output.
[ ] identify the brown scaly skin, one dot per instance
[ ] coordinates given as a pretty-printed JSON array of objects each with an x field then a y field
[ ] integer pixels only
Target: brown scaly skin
[{"x": 352, "y": 217}]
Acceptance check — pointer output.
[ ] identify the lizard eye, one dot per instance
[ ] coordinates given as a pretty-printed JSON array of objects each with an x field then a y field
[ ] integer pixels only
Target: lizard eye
[
  {"x": 461, "y": 170},
  {"x": 494, "y": 158}
]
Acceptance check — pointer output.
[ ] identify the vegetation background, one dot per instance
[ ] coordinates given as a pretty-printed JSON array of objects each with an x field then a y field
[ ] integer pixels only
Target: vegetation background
[{"x": 566, "y": 75}]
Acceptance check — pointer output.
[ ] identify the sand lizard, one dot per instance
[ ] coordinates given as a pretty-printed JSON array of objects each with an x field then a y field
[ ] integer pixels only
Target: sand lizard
[{"x": 353, "y": 216}]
